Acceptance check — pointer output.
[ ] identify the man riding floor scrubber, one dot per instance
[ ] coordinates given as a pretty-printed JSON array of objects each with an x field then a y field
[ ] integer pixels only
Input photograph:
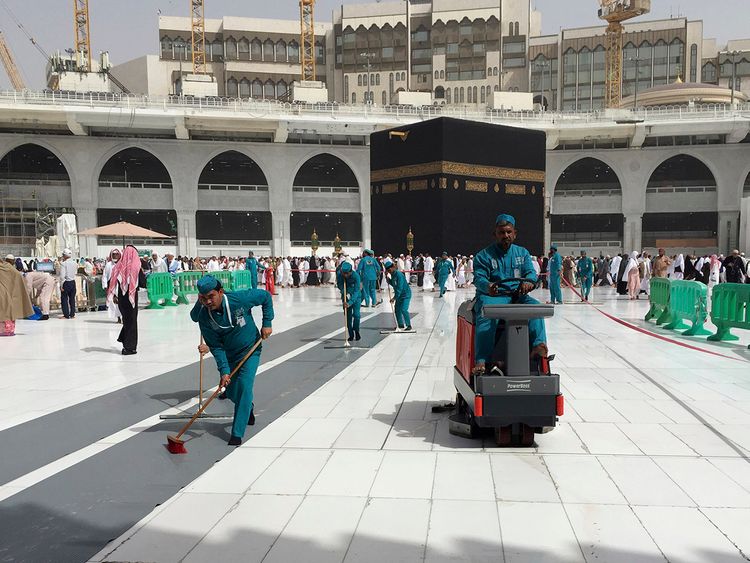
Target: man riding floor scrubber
[{"x": 502, "y": 371}]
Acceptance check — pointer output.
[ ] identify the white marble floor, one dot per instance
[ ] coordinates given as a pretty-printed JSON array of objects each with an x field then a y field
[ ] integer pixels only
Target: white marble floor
[{"x": 649, "y": 463}]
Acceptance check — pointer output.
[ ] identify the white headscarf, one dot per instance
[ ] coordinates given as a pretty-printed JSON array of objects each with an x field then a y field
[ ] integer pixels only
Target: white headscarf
[{"x": 632, "y": 263}]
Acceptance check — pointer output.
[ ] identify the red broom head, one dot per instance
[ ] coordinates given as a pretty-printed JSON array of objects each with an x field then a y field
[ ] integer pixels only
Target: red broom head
[{"x": 176, "y": 446}]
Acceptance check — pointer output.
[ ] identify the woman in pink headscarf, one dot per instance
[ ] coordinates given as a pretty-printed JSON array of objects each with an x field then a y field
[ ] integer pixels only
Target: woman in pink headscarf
[
  {"x": 127, "y": 276},
  {"x": 632, "y": 276},
  {"x": 714, "y": 271}
]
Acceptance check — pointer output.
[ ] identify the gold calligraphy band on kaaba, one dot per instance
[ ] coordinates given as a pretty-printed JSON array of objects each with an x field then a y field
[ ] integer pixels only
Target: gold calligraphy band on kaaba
[{"x": 458, "y": 169}]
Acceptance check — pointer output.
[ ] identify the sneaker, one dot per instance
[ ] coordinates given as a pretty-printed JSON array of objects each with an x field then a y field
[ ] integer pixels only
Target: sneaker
[
  {"x": 408, "y": 328},
  {"x": 234, "y": 441}
]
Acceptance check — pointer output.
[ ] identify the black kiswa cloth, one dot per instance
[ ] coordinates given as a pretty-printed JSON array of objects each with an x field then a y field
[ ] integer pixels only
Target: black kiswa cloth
[{"x": 448, "y": 179}]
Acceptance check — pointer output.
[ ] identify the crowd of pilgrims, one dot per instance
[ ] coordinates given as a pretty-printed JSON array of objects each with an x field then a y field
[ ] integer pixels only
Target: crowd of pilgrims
[{"x": 631, "y": 273}]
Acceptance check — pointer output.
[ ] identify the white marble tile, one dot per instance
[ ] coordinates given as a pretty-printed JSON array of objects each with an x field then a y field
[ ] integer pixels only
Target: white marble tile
[
  {"x": 734, "y": 523},
  {"x": 694, "y": 475},
  {"x": 604, "y": 438},
  {"x": 454, "y": 471},
  {"x": 317, "y": 433},
  {"x": 522, "y": 478},
  {"x": 474, "y": 536},
  {"x": 248, "y": 531},
  {"x": 244, "y": 464},
  {"x": 536, "y": 533},
  {"x": 612, "y": 534},
  {"x": 291, "y": 473},
  {"x": 275, "y": 434},
  {"x": 562, "y": 440},
  {"x": 654, "y": 439},
  {"x": 640, "y": 411},
  {"x": 348, "y": 473},
  {"x": 319, "y": 531},
  {"x": 685, "y": 534},
  {"x": 701, "y": 439},
  {"x": 313, "y": 406},
  {"x": 175, "y": 530},
  {"x": 581, "y": 479},
  {"x": 643, "y": 482},
  {"x": 737, "y": 469},
  {"x": 367, "y": 434},
  {"x": 405, "y": 475},
  {"x": 596, "y": 410},
  {"x": 411, "y": 435},
  {"x": 392, "y": 530}
]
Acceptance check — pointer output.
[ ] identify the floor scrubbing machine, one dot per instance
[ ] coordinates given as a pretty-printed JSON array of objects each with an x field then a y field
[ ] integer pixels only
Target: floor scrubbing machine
[{"x": 515, "y": 396}]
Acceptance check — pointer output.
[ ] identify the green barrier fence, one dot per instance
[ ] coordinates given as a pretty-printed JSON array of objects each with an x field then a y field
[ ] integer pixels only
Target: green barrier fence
[
  {"x": 659, "y": 300},
  {"x": 160, "y": 287},
  {"x": 241, "y": 280},
  {"x": 187, "y": 284},
  {"x": 225, "y": 278},
  {"x": 730, "y": 308},
  {"x": 687, "y": 302}
]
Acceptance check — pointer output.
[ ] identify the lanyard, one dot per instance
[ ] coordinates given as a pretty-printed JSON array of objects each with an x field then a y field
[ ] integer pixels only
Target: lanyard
[{"x": 229, "y": 315}]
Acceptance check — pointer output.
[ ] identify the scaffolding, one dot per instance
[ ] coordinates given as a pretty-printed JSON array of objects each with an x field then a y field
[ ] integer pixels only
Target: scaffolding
[
  {"x": 307, "y": 25},
  {"x": 23, "y": 221}
]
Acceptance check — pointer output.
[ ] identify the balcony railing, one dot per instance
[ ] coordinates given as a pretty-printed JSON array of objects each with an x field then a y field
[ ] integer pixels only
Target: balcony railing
[
  {"x": 135, "y": 185},
  {"x": 233, "y": 187}
]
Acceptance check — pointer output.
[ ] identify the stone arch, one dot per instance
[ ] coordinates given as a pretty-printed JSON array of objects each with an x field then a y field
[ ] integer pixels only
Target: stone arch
[
  {"x": 325, "y": 170},
  {"x": 554, "y": 179},
  {"x": 43, "y": 149},
  {"x": 156, "y": 170},
  {"x": 745, "y": 188},
  {"x": 674, "y": 169},
  {"x": 232, "y": 167}
]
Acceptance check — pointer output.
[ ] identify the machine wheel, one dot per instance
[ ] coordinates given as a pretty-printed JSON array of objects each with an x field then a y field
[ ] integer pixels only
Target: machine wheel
[
  {"x": 527, "y": 435},
  {"x": 503, "y": 436}
]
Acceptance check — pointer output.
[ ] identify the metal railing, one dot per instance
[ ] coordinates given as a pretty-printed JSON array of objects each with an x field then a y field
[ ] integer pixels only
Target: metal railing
[
  {"x": 135, "y": 185},
  {"x": 234, "y": 187},
  {"x": 366, "y": 112},
  {"x": 589, "y": 243},
  {"x": 680, "y": 189},
  {"x": 117, "y": 241},
  {"x": 323, "y": 189},
  {"x": 326, "y": 243},
  {"x": 206, "y": 242}
]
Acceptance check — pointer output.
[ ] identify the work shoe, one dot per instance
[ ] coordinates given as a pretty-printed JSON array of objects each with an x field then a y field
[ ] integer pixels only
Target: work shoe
[
  {"x": 128, "y": 352},
  {"x": 223, "y": 396},
  {"x": 539, "y": 351},
  {"x": 44, "y": 318},
  {"x": 408, "y": 328},
  {"x": 251, "y": 420},
  {"x": 234, "y": 441},
  {"x": 357, "y": 336}
]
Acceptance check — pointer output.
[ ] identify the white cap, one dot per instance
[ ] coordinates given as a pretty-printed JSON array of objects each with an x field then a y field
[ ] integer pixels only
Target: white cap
[
  {"x": 10, "y": 257},
  {"x": 67, "y": 252}
]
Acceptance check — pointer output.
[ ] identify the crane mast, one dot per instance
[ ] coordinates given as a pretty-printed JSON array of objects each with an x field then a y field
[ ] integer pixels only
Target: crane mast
[
  {"x": 10, "y": 65},
  {"x": 307, "y": 25},
  {"x": 615, "y": 12},
  {"x": 83, "y": 40},
  {"x": 198, "y": 36}
]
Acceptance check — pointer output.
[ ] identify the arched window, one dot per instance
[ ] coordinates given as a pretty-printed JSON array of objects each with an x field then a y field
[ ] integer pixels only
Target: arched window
[
  {"x": 269, "y": 90},
  {"x": 231, "y": 49},
  {"x": 475, "y": 94},
  {"x": 661, "y": 60},
  {"x": 365, "y": 80},
  {"x": 468, "y": 95},
  {"x": 346, "y": 87},
  {"x": 243, "y": 49},
  {"x": 354, "y": 97},
  {"x": 280, "y": 51},
  {"x": 517, "y": 32},
  {"x": 180, "y": 49},
  {"x": 489, "y": 71},
  {"x": 442, "y": 74},
  {"x": 496, "y": 88},
  {"x": 256, "y": 50},
  {"x": 484, "y": 96},
  {"x": 437, "y": 74},
  {"x": 166, "y": 48},
  {"x": 439, "y": 92},
  {"x": 383, "y": 98},
  {"x": 359, "y": 80},
  {"x": 461, "y": 94},
  {"x": 677, "y": 59},
  {"x": 693, "y": 63},
  {"x": 244, "y": 88},
  {"x": 293, "y": 52},
  {"x": 494, "y": 71},
  {"x": 372, "y": 80},
  {"x": 217, "y": 50},
  {"x": 232, "y": 88},
  {"x": 456, "y": 99},
  {"x": 281, "y": 89},
  {"x": 447, "y": 95},
  {"x": 377, "y": 80},
  {"x": 257, "y": 91},
  {"x": 268, "y": 49},
  {"x": 709, "y": 73},
  {"x": 391, "y": 86}
]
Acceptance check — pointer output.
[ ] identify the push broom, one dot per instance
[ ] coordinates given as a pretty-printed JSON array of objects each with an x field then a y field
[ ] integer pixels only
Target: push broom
[{"x": 177, "y": 446}]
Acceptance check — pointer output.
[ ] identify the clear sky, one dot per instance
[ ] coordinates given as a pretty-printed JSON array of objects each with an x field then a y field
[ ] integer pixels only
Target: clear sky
[{"x": 128, "y": 28}]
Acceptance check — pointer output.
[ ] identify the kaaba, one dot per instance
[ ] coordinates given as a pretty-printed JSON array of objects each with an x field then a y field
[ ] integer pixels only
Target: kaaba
[{"x": 446, "y": 180}]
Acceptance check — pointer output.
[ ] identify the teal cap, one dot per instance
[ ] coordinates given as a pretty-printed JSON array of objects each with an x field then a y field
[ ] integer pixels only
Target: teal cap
[
  {"x": 505, "y": 218},
  {"x": 387, "y": 264},
  {"x": 207, "y": 284},
  {"x": 346, "y": 267}
]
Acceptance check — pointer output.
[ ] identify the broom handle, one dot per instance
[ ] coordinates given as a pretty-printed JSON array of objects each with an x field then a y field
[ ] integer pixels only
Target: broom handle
[
  {"x": 200, "y": 379},
  {"x": 218, "y": 389},
  {"x": 393, "y": 305},
  {"x": 346, "y": 316}
]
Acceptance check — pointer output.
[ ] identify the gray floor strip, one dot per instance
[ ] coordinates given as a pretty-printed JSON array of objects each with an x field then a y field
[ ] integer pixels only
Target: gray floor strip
[
  {"x": 47, "y": 438},
  {"x": 72, "y": 515}
]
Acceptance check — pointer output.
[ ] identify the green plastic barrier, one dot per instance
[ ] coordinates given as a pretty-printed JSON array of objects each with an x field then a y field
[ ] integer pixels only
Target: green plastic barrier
[
  {"x": 730, "y": 308},
  {"x": 659, "y": 299},
  {"x": 241, "y": 280},
  {"x": 225, "y": 277},
  {"x": 186, "y": 283},
  {"x": 160, "y": 287},
  {"x": 687, "y": 302}
]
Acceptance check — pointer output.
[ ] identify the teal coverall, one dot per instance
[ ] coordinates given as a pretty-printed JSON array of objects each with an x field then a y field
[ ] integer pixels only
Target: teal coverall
[
  {"x": 443, "y": 268},
  {"x": 353, "y": 300},
  {"x": 402, "y": 294},
  {"x": 555, "y": 268},
  {"x": 368, "y": 270},
  {"x": 230, "y": 334},
  {"x": 586, "y": 275},
  {"x": 490, "y": 266},
  {"x": 251, "y": 265}
]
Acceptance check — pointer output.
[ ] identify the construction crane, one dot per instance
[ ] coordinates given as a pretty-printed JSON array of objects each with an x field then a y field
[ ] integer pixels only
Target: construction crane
[
  {"x": 307, "y": 25},
  {"x": 10, "y": 65},
  {"x": 83, "y": 39},
  {"x": 198, "y": 36},
  {"x": 615, "y": 12}
]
